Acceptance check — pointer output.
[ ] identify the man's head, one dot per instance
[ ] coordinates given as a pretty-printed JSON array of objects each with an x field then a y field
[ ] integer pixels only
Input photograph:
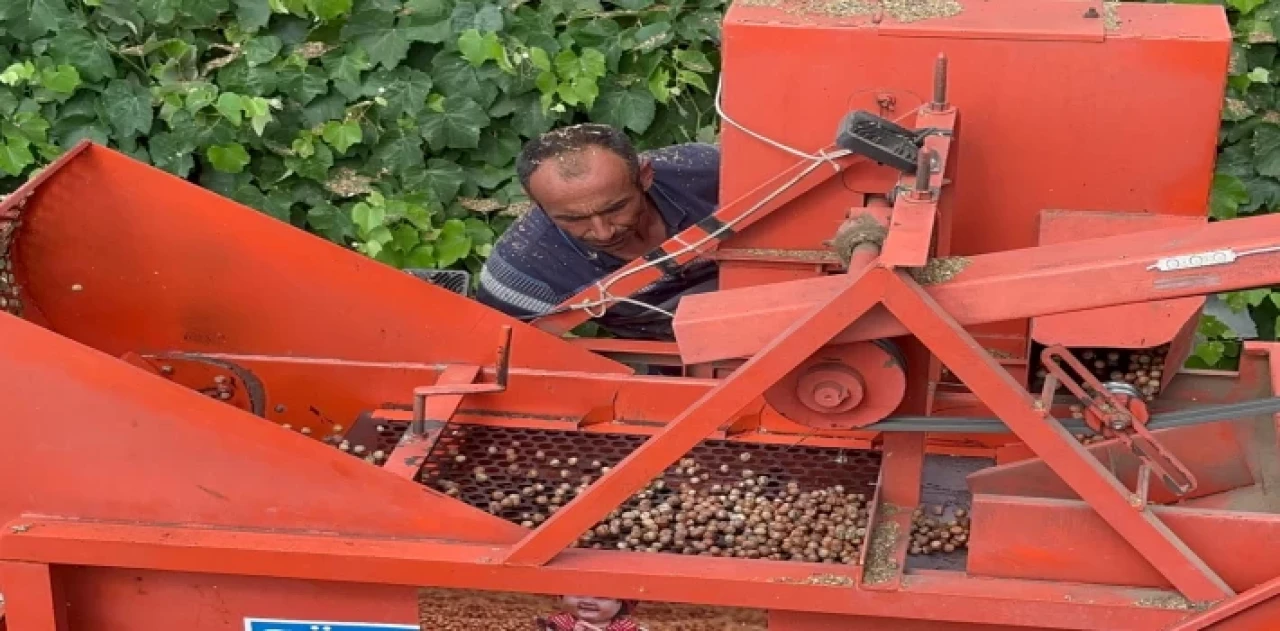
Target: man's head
[{"x": 591, "y": 182}]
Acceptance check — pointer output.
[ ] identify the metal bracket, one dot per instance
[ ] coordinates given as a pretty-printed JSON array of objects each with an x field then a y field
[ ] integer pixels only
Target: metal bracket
[
  {"x": 503, "y": 368},
  {"x": 1116, "y": 410}
]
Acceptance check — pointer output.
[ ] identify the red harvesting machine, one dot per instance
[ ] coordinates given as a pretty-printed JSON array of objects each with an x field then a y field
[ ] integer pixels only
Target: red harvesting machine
[{"x": 938, "y": 387}]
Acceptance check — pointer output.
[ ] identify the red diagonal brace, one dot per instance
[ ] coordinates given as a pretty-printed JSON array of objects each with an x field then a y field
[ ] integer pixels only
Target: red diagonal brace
[
  {"x": 414, "y": 447},
  {"x": 944, "y": 337},
  {"x": 802, "y": 339}
]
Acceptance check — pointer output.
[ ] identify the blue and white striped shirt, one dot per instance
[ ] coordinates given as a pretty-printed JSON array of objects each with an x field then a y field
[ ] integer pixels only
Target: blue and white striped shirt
[{"x": 535, "y": 265}]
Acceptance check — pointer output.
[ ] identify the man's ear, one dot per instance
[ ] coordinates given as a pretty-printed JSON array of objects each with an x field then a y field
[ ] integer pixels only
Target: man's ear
[{"x": 646, "y": 174}]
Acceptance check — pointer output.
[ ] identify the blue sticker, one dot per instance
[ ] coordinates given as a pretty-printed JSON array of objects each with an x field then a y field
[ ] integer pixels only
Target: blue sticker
[{"x": 261, "y": 624}]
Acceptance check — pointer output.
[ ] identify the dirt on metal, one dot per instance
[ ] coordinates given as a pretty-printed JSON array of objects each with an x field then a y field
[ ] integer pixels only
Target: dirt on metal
[
  {"x": 900, "y": 10},
  {"x": 940, "y": 270},
  {"x": 861, "y": 230},
  {"x": 881, "y": 565}
]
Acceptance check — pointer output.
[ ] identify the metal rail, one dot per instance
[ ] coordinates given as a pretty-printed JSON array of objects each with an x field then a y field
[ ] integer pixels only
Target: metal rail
[{"x": 1164, "y": 420}]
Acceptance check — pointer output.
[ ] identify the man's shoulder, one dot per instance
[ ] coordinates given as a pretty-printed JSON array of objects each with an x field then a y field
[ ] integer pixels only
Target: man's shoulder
[{"x": 688, "y": 156}]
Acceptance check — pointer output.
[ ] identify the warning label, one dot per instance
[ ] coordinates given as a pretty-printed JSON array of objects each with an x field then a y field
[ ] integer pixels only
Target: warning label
[{"x": 262, "y": 624}]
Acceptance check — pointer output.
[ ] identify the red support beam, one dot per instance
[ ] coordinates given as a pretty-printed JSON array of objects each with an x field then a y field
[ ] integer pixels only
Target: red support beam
[{"x": 1003, "y": 286}]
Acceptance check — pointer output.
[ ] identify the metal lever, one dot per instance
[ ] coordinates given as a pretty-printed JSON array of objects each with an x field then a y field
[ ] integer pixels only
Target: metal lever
[
  {"x": 502, "y": 368},
  {"x": 1116, "y": 410}
]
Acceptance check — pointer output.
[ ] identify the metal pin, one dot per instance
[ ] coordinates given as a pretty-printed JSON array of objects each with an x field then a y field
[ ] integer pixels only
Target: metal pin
[
  {"x": 924, "y": 164},
  {"x": 940, "y": 84}
]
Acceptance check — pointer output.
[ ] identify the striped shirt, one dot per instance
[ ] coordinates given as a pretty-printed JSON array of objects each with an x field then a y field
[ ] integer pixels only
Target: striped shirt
[{"x": 535, "y": 265}]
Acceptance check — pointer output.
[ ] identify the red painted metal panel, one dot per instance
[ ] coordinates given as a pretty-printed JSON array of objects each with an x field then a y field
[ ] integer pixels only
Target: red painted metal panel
[
  {"x": 161, "y": 265},
  {"x": 110, "y": 599},
  {"x": 800, "y": 587},
  {"x": 1212, "y": 453},
  {"x": 1065, "y": 540},
  {"x": 87, "y": 435},
  {"x": 1142, "y": 325}
]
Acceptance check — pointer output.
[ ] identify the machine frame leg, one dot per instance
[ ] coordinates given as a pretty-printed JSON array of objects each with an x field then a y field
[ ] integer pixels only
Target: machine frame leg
[
  {"x": 30, "y": 603},
  {"x": 1035, "y": 426}
]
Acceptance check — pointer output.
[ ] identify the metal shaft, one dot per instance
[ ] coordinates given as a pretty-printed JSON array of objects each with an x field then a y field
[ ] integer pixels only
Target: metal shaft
[{"x": 940, "y": 83}]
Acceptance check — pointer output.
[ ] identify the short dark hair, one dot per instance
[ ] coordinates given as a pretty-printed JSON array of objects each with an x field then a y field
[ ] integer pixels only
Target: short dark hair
[{"x": 558, "y": 142}]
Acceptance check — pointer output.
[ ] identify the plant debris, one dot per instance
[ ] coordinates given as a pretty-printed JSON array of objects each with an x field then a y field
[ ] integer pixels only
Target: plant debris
[
  {"x": 861, "y": 230},
  {"x": 940, "y": 270},
  {"x": 1110, "y": 14},
  {"x": 901, "y": 10},
  {"x": 881, "y": 566},
  {"x": 347, "y": 183},
  {"x": 1165, "y": 601}
]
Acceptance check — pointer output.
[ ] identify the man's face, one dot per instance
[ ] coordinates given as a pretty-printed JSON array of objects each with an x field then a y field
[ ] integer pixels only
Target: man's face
[{"x": 591, "y": 195}]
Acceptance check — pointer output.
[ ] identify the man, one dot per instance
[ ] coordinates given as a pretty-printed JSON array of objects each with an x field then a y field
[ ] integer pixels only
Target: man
[{"x": 598, "y": 205}]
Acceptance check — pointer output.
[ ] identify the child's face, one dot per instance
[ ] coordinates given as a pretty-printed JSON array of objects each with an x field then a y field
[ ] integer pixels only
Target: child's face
[{"x": 593, "y": 610}]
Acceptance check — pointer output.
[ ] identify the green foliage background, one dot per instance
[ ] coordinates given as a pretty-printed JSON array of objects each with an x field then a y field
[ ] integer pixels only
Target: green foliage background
[{"x": 391, "y": 126}]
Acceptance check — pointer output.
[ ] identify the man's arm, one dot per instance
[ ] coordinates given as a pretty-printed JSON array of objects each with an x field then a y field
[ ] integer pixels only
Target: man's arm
[{"x": 506, "y": 287}]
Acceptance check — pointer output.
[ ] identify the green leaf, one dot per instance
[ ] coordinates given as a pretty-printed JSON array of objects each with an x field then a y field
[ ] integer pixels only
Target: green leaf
[
  {"x": 18, "y": 73},
  {"x": 303, "y": 85},
  {"x": 1211, "y": 327},
  {"x": 229, "y": 158},
  {"x": 200, "y": 96},
  {"x": 1238, "y": 301},
  {"x": 258, "y": 110},
  {"x": 404, "y": 237},
  {"x": 633, "y": 5},
  {"x": 399, "y": 152},
  {"x": 345, "y": 71},
  {"x": 128, "y": 107},
  {"x": 1266, "y": 149},
  {"x": 652, "y": 36},
  {"x": 658, "y": 85},
  {"x": 315, "y": 166},
  {"x": 253, "y": 14},
  {"x": 444, "y": 177},
  {"x": 375, "y": 32},
  {"x": 29, "y": 125},
  {"x": 1264, "y": 194},
  {"x": 62, "y": 79},
  {"x": 632, "y": 108},
  {"x": 478, "y": 231},
  {"x": 1227, "y": 195},
  {"x": 454, "y": 76},
  {"x": 404, "y": 90},
  {"x": 457, "y": 127},
  {"x": 1260, "y": 75},
  {"x": 477, "y": 48},
  {"x": 529, "y": 119},
  {"x": 1210, "y": 352},
  {"x": 87, "y": 53},
  {"x": 342, "y": 136},
  {"x": 15, "y": 156},
  {"x": 540, "y": 60},
  {"x": 1245, "y": 6},
  {"x": 231, "y": 106},
  {"x": 693, "y": 60},
  {"x": 47, "y": 15},
  {"x": 172, "y": 152},
  {"x": 453, "y": 244},
  {"x": 489, "y": 18},
  {"x": 329, "y": 9},
  {"x": 421, "y": 257},
  {"x": 693, "y": 79},
  {"x": 367, "y": 216},
  {"x": 260, "y": 50},
  {"x": 498, "y": 146}
]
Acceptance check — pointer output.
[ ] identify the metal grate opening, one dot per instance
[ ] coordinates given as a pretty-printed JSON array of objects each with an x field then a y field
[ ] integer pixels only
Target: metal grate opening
[{"x": 456, "y": 281}]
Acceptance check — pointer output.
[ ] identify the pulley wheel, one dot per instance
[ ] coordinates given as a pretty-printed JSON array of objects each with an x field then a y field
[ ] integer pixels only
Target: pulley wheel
[{"x": 843, "y": 386}]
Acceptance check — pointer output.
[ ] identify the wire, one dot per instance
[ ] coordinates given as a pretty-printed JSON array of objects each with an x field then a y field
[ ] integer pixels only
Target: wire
[{"x": 592, "y": 307}]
